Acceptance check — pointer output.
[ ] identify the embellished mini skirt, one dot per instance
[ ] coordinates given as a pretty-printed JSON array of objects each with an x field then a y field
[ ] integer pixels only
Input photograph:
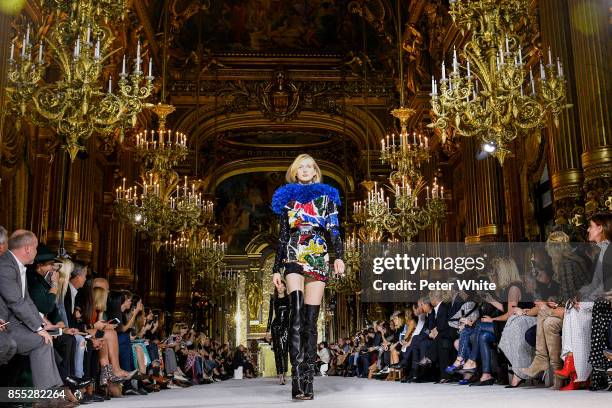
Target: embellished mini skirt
[{"x": 307, "y": 253}]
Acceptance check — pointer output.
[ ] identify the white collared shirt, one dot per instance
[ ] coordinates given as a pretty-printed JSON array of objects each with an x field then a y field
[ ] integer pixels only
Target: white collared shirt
[
  {"x": 420, "y": 324},
  {"x": 436, "y": 309},
  {"x": 22, "y": 272},
  {"x": 73, "y": 293}
]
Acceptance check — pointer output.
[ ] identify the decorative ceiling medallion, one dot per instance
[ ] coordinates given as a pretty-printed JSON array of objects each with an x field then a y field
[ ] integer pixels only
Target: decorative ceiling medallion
[{"x": 280, "y": 98}]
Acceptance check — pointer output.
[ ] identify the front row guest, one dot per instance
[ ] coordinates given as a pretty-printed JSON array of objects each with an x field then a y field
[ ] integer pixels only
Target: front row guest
[
  {"x": 600, "y": 232},
  {"x": 26, "y": 327},
  {"x": 441, "y": 336},
  {"x": 494, "y": 313}
]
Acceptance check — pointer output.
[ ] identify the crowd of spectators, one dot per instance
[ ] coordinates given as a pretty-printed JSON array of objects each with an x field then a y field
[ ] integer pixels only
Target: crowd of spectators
[
  {"x": 63, "y": 329},
  {"x": 551, "y": 323}
]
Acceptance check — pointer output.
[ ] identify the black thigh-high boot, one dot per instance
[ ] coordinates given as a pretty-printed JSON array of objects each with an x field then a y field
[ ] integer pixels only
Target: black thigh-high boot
[
  {"x": 309, "y": 338},
  {"x": 296, "y": 350}
]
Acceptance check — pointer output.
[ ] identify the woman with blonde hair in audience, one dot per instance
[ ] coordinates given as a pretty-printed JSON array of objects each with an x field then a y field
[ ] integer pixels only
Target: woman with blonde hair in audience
[
  {"x": 571, "y": 271},
  {"x": 93, "y": 316},
  {"x": 65, "y": 268},
  {"x": 494, "y": 313}
]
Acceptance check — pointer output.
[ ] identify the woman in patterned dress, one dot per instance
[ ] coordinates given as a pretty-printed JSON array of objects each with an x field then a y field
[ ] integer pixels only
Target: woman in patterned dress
[
  {"x": 600, "y": 232},
  {"x": 307, "y": 210}
]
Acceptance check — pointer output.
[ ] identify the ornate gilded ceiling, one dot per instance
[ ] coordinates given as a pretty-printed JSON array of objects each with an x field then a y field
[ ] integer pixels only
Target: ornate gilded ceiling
[{"x": 325, "y": 68}]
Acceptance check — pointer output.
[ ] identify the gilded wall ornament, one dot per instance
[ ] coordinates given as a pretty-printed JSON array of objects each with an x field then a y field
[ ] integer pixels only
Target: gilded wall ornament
[{"x": 280, "y": 99}]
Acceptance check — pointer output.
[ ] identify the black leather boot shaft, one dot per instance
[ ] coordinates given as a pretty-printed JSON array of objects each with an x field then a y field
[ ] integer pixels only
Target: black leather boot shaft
[
  {"x": 309, "y": 339},
  {"x": 296, "y": 349}
]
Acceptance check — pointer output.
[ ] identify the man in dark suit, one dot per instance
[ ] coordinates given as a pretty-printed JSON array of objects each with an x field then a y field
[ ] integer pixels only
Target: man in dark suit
[
  {"x": 26, "y": 326},
  {"x": 78, "y": 276},
  {"x": 441, "y": 335}
]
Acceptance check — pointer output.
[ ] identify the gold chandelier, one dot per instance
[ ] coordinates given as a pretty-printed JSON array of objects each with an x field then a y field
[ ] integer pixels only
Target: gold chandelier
[
  {"x": 161, "y": 149},
  {"x": 492, "y": 94},
  {"x": 77, "y": 40},
  {"x": 414, "y": 208},
  {"x": 409, "y": 153},
  {"x": 198, "y": 251},
  {"x": 160, "y": 205}
]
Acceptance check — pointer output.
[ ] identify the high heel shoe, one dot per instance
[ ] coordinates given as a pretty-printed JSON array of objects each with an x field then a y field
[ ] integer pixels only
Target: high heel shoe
[
  {"x": 490, "y": 381},
  {"x": 568, "y": 367},
  {"x": 521, "y": 381},
  {"x": 452, "y": 369}
]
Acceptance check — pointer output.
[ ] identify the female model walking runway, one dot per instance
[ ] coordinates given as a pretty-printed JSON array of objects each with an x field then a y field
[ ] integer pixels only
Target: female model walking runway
[{"x": 307, "y": 209}]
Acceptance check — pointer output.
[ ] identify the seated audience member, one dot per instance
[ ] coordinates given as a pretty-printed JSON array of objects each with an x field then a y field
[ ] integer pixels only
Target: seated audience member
[
  {"x": 404, "y": 331},
  {"x": 571, "y": 270},
  {"x": 324, "y": 357},
  {"x": 493, "y": 313},
  {"x": 513, "y": 342},
  {"x": 120, "y": 302},
  {"x": 442, "y": 337},
  {"x": 43, "y": 286},
  {"x": 241, "y": 360},
  {"x": 421, "y": 341},
  {"x": 93, "y": 307},
  {"x": 72, "y": 278},
  {"x": 26, "y": 327},
  {"x": 403, "y": 346},
  {"x": 600, "y": 232},
  {"x": 418, "y": 318},
  {"x": 463, "y": 321}
]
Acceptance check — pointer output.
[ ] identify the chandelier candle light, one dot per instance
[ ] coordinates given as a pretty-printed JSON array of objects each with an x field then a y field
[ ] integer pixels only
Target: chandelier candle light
[
  {"x": 162, "y": 148},
  {"x": 489, "y": 91},
  {"x": 79, "y": 42}
]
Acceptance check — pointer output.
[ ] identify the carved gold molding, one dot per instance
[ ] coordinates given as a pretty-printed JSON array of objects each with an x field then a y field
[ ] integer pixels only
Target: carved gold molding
[
  {"x": 267, "y": 164},
  {"x": 202, "y": 124},
  {"x": 597, "y": 163},
  {"x": 488, "y": 230}
]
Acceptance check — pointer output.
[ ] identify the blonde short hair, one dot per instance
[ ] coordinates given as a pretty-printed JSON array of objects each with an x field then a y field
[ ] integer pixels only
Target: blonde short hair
[
  {"x": 291, "y": 175},
  {"x": 506, "y": 270}
]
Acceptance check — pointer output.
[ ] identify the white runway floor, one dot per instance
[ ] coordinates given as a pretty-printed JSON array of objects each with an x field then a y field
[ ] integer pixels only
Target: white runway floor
[{"x": 338, "y": 392}]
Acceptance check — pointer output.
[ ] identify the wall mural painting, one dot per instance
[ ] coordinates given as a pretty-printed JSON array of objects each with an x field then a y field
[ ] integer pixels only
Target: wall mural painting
[
  {"x": 243, "y": 209},
  {"x": 267, "y": 25}
]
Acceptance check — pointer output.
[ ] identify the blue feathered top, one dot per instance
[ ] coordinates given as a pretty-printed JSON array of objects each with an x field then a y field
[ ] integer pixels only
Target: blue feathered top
[{"x": 302, "y": 193}]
